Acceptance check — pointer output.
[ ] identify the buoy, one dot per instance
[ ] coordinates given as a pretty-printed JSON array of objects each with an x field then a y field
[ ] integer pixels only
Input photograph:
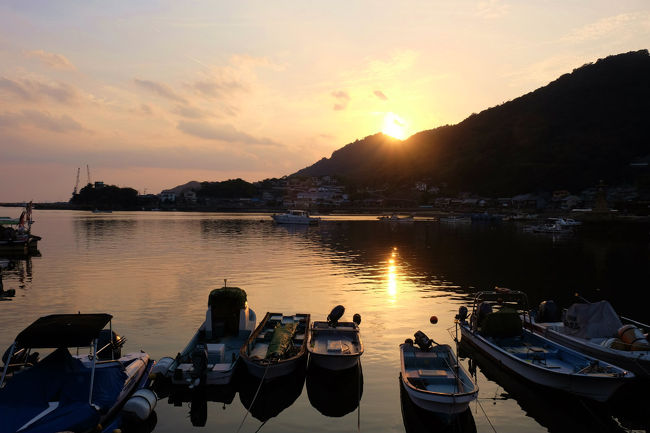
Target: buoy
[
  {"x": 633, "y": 336},
  {"x": 141, "y": 403},
  {"x": 433, "y": 319}
]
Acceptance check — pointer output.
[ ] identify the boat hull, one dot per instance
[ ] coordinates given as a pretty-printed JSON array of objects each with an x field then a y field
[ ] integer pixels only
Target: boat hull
[
  {"x": 346, "y": 349},
  {"x": 336, "y": 363},
  {"x": 447, "y": 404},
  {"x": 273, "y": 370},
  {"x": 598, "y": 388},
  {"x": 636, "y": 362}
]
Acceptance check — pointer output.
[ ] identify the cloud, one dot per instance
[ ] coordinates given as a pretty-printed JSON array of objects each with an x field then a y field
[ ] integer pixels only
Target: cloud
[
  {"x": 342, "y": 99},
  {"x": 56, "y": 61},
  {"x": 190, "y": 112},
  {"x": 225, "y": 133},
  {"x": 159, "y": 89},
  {"x": 215, "y": 87},
  {"x": 33, "y": 90},
  {"x": 41, "y": 120},
  {"x": 622, "y": 24},
  {"x": 380, "y": 95},
  {"x": 492, "y": 9}
]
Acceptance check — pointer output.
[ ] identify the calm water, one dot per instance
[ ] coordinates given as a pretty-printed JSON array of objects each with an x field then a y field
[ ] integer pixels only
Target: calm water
[{"x": 153, "y": 272}]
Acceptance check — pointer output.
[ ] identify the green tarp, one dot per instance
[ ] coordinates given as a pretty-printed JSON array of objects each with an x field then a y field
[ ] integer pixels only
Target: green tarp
[{"x": 281, "y": 340}]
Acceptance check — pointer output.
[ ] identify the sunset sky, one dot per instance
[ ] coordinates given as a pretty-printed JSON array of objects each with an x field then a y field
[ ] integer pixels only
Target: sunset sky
[{"x": 155, "y": 94}]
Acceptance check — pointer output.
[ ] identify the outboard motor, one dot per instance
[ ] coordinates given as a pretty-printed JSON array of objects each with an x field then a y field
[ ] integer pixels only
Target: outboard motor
[
  {"x": 548, "y": 312},
  {"x": 335, "y": 315},
  {"x": 357, "y": 319},
  {"x": 423, "y": 341},
  {"x": 462, "y": 314},
  {"x": 483, "y": 310}
]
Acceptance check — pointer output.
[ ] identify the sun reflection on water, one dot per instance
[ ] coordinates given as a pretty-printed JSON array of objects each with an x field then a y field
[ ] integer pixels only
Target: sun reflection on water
[{"x": 392, "y": 275}]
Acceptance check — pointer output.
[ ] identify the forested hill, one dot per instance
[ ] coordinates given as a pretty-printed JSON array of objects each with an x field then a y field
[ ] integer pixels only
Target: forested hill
[{"x": 585, "y": 126}]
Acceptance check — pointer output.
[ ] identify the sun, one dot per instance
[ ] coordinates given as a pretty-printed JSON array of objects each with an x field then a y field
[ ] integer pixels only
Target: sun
[{"x": 394, "y": 126}]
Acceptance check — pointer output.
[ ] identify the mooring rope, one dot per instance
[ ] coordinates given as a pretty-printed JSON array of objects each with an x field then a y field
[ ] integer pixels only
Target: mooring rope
[
  {"x": 248, "y": 410},
  {"x": 486, "y": 416}
]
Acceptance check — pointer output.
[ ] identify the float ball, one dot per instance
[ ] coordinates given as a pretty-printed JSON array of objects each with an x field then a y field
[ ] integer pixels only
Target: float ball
[{"x": 433, "y": 319}]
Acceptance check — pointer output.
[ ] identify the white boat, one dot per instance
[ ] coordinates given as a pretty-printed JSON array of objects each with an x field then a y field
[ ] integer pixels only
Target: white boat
[
  {"x": 277, "y": 346},
  {"x": 433, "y": 377},
  {"x": 596, "y": 330},
  {"x": 335, "y": 345},
  {"x": 566, "y": 222},
  {"x": 295, "y": 216},
  {"x": 211, "y": 355},
  {"x": 64, "y": 392},
  {"x": 496, "y": 329},
  {"x": 15, "y": 233}
]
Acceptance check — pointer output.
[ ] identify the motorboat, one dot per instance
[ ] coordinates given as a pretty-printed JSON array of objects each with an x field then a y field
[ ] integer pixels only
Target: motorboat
[
  {"x": 433, "y": 378},
  {"x": 596, "y": 330},
  {"x": 295, "y": 216},
  {"x": 65, "y": 392},
  {"x": 15, "y": 233},
  {"x": 335, "y": 345},
  {"x": 496, "y": 329},
  {"x": 212, "y": 354},
  {"x": 277, "y": 346}
]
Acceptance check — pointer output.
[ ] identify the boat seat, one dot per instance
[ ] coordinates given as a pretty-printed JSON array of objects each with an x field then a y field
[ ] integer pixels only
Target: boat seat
[
  {"x": 221, "y": 366},
  {"x": 432, "y": 373},
  {"x": 334, "y": 346}
]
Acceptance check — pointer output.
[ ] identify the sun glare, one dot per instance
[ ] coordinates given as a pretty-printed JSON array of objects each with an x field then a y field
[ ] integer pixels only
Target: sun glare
[{"x": 394, "y": 126}]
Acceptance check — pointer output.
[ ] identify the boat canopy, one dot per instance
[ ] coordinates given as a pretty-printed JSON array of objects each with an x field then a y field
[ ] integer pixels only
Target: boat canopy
[
  {"x": 63, "y": 330},
  {"x": 504, "y": 297},
  {"x": 593, "y": 320}
]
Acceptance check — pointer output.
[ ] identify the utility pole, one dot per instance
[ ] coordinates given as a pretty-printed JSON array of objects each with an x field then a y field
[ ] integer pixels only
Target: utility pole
[{"x": 88, "y": 173}]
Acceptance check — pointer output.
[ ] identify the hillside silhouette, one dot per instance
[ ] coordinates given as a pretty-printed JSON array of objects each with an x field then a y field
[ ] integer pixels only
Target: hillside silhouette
[{"x": 585, "y": 126}]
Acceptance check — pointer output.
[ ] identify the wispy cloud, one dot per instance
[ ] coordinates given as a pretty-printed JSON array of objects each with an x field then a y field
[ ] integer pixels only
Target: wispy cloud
[
  {"x": 225, "y": 133},
  {"x": 41, "y": 120},
  {"x": 33, "y": 90},
  {"x": 190, "y": 112},
  {"x": 160, "y": 89},
  {"x": 634, "y": 23},
  {"x": 342, "y": 98},
  {"x": 380, "y": 95},
  {"x": 492, "y": 9},
  {"x": 53, "y": 60}
]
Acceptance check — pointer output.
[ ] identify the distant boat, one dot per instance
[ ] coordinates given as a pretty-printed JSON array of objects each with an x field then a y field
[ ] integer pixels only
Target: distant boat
[
  {"x": 496, "y": 329},
  {"x": 15, "y": 233},
  {"x": 394, "y": 218},
  {"x": 102, "y": 211},
  {"x": 455, "y": 219},
  {"x": 277, "y": 346},
  {"x": 335, "y": 345},
  {"x": 295, "y": 216}
]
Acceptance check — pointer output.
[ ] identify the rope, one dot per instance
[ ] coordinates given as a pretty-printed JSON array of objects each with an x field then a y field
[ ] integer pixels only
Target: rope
[
  {"x": 254, "y": 397},
  {"x": 260, "y": 427},
  {"x": 486, "y": 417}
]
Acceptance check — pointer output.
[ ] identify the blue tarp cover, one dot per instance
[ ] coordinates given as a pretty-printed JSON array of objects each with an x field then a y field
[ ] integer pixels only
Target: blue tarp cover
[{"x": 59, "y": 378}]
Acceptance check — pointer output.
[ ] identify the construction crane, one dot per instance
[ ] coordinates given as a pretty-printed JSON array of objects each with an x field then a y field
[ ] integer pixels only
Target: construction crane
[{"x": 76, "y": 184}]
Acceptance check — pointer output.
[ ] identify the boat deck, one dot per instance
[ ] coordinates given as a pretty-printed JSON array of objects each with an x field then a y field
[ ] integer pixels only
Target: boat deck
[
  {"x": 342, "y": 340},
  {"x": 260, "y": 345},
  {"x": 433, "y": 371}
]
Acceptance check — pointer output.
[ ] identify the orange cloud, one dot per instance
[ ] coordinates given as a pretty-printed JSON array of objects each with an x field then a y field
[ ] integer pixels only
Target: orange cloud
[{"x": 56, "y": 61}]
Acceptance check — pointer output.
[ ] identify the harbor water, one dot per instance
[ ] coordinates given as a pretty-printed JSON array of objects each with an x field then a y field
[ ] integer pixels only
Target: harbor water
[{"x": 153, "y": 272}]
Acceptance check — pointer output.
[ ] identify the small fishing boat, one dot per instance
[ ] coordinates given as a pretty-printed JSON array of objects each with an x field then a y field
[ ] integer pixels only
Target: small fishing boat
[
  {"x": 596, "y": 330},
  {"x": 433, "y": 377},
  {"x": 394, "y": 218},
  {"x": 496, "y": 329},
  {"x": 15, "y": 233},
  {"x": 295, "y": 216},
  {"x": 335, "y": 345},
  {"x": 78, "y": 393},
  {"x": 277, "y": 346},
  {"x": 212, "y": 354}
]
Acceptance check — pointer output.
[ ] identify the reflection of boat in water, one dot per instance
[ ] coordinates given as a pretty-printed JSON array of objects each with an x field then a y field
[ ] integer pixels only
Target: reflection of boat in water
[
  {"x": 64, "y": 392},
  {"x": 295, "y": 216},
  {"x": 277, "y": 346},
  {"x": 418, "y": 420},
  {"x": 212, "y": 354},
  {"x": 500, "y": 335},
  {"x": 197, "y": 397},
  {"x": 335, "y": 345},
  {"x": 596, "y": 329},
  {"x": 334, "y": 393},
  {"x": 273, "y": 396},
  {"x": 554, "y": 410}
]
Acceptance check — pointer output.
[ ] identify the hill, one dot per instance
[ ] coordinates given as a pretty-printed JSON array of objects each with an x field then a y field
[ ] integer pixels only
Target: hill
[{"x": 585, "y": 126}]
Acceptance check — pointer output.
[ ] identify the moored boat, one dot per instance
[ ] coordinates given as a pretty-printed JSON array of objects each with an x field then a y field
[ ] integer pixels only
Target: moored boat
[
  {"x": 496, "y": 329},
  {"x": 596, "y": 330},
  {"x": 295, "y": 216},
  {"x": 277, "y": 346},
  {"x": 77, "y": 393},
  {"x": 211, "y": 355},
  {"x": 15, "y": 233},
  {"x": 433, "y": 378},
  {"x": 335, "y": 345}
]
